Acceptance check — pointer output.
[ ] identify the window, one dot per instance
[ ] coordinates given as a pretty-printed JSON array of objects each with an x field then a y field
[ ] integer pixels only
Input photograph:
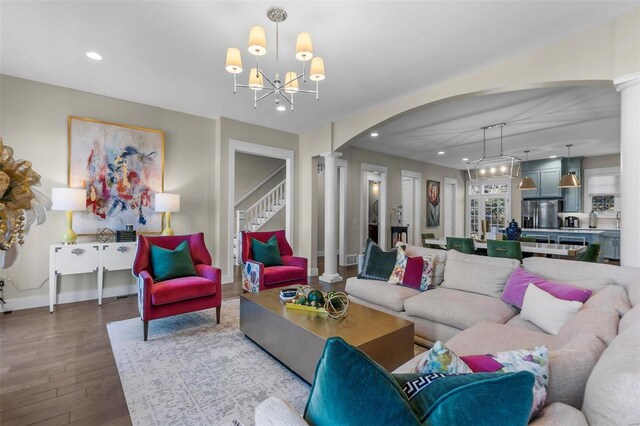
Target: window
[
  {"x": 602, "y": 191},
  {"x": 490, "y": 201}
]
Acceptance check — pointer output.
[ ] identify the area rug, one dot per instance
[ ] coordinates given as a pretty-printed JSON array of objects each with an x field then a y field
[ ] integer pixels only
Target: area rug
[{"x": 193, "y": 371}]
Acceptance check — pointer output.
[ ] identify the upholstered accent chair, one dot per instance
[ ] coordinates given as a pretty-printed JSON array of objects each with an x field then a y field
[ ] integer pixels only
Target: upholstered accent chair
[
  {"x": 181, "y": 295},
  {"x": 257, "y": 277}
]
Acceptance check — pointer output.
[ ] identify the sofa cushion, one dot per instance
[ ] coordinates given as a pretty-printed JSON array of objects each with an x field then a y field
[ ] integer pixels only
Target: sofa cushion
[
  {"x": 546, "y": 311},
  {"x": 377, "y": 264},
  {"x": 612, "y": 394},
  {"x": 279, "y": 274},
  {"x": 612, "y": 296},
  {"x": 520, "y": 279},
  {"x": 439, "y": 256},
  {"x": 592, "y": 276},
  {"x": 380, "y": 292},
  {"x": 559, "y": 414},
  {"x": 630, "y": 319},
  {"x": 179, "y": 289},
  {"x": 485, "y": 338},
  {"x": 517, "y": 321},
  {"x": 570, "y": 367},
  {"x": 458, "y": 309},
  {"x": 477, "y": 274},
  {"x": 439, "y": 359},
  {"x": 336, "y": 397},
  {"x": 412, "y": 271},
  {"x": 601, "y": 322}
]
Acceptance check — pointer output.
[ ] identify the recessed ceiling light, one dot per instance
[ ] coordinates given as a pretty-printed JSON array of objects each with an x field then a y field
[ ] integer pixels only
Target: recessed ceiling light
[
  {"x": 440, "y": 152},
  {"x": 95, "y": 56},
  {"x": 374, "y": 134},
  {"x": 465, "y": 159},
  {"x": 281, "y": 108},
  {"x": 553, "y": 156}
]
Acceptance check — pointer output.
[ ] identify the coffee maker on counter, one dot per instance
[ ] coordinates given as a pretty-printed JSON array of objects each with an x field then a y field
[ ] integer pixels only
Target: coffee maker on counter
[{"x": 571, "y": 222}]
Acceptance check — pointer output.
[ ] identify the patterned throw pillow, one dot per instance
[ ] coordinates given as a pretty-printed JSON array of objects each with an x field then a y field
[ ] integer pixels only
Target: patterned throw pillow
[
  {"x": 439, "y": 359},
  {"x": 536, "y": 361},
  {"x": 414, "y": 272}
]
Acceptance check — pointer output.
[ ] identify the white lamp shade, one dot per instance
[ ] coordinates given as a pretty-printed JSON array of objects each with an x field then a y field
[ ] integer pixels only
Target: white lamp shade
[
  {"x": 74, "y": 199},
  {"x": 317, "y": 69},
  {"x": 291, "y": 83},
  {"x": 166, "y": 202},
  {"x": 257, "y": 41},
  {"x": 304, "y": 48},
  {"x": 255, "y": 80},
  {"x": 234, "y": 61}
]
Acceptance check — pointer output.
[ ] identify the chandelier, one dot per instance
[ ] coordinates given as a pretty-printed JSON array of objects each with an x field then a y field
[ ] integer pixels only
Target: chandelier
[
  {"x": 257, "y": 46},
  {"x": 496, "y": 167}
]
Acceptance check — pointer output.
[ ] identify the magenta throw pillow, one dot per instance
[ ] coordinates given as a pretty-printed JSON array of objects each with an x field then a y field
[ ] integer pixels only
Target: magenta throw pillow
[{"x": 520, "y": 279}]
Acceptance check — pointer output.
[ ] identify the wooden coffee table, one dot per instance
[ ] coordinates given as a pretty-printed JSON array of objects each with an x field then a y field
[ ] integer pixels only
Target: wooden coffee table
[{"x": 297, "y": 338}]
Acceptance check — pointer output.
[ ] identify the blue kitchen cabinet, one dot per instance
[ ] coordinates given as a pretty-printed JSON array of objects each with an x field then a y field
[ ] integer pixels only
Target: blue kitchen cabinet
[
  {"x": 546, "y": 175},
  {"x": 572, "y": 197}
]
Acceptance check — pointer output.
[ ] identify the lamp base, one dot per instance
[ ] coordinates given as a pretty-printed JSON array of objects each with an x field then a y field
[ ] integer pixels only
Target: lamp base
[
  {"x": 69, "y": 236},
  {"x": 167, "y": 231}
]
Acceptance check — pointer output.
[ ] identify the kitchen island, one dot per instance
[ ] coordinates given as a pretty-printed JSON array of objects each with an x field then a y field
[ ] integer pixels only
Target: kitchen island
[{"x": 609, "y": 239}]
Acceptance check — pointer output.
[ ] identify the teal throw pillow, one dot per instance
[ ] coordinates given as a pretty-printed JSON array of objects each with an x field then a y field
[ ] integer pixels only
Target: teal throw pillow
[
  {"x": 168, "y": 264},
  {"x": 351, "y": 389},
  {"x": 377, "y": 264},
  {"x": 266, "y": 253},
  {"x": 469, "y": 399}
]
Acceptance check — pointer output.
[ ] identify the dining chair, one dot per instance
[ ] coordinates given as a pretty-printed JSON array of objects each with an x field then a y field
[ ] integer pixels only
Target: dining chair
[
  {"x": 591, "y": 254},
  {"x": 507, "y": 249},
  {"x": 463, "y": 245},
  {"x": 430, "y": 236}
]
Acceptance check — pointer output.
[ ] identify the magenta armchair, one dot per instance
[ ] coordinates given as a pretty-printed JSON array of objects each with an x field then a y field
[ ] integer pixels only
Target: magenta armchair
[
  {"x": 256, "y": 277},
  {"x": 178, "y": 295}
]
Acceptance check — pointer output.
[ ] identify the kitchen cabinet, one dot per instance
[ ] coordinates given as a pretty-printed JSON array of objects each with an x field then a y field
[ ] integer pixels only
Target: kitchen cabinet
[
  {"x": 572, "y": 196},
  {"x": 610, "y": 245},
  {"x": 546, "y": 175}
]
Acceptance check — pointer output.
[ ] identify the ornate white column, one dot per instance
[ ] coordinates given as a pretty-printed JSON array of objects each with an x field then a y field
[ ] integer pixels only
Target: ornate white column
[
  {"x": 629, "y": 88},
  {"x": 330, "y": 274}
]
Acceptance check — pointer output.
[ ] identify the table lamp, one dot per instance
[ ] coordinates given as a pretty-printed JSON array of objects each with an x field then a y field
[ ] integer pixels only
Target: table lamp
[
  {"x": 69, "y": 200},
  {"x": 167, "y": 203}
]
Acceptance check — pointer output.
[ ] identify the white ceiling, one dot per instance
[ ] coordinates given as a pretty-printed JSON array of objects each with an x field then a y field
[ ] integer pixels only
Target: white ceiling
[
  {"x": 543, "y": 121},
  {"x": 171, "y": 54}
]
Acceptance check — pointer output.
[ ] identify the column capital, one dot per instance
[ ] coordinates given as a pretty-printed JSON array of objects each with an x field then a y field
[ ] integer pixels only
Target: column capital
[
  {"x": 334, "y": 154},
  {"x": 625, "y": 81}
]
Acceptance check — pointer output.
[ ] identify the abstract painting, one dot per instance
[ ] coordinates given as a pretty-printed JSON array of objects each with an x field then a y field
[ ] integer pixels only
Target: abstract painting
[
  {"x": 433, "y": 203},
  {"x": 121, "y": 168}
]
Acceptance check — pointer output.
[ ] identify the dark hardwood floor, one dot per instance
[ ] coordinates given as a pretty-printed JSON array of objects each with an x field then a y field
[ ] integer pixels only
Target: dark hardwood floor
[{"x": 58, "y": 368}]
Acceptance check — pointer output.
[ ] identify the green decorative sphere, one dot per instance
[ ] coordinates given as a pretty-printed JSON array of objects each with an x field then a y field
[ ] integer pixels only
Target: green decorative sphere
[{"x": 316, "y": 296}]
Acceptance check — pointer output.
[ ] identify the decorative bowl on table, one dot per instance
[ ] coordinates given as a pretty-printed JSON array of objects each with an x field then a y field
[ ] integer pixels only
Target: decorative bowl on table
[{"x": 335, "y": 304}]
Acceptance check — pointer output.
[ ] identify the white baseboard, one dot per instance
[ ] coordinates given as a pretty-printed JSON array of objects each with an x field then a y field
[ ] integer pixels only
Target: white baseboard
[
  {"x": 19, "y": 303},
  {"x": 321, "y": 253},
  {"x": 313, "y": 272},
  {"x": 227, "y": 279}
]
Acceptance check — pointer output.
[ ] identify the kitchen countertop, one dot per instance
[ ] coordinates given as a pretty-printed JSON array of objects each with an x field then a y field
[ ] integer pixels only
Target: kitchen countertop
[{"x": 577, "y": 230}]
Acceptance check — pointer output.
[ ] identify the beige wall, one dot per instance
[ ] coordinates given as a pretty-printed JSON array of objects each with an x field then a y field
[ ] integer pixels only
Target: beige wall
[
  {"x": 601, "y": 161},
  {"x": 356, "y": 157},
  {"x": 34, "y": 123}
]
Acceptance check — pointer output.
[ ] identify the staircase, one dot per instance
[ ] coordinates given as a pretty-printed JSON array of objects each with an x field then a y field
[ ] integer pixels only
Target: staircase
[{"x": 256, "y": 216}]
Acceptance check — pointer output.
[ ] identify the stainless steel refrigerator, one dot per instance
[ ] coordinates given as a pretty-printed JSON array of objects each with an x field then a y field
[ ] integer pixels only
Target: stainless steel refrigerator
[{"x": 541, "y": 214}]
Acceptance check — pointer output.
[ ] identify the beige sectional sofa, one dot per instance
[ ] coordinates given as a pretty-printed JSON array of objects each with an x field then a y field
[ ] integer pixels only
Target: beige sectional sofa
[{"x": 594, "y": 363}]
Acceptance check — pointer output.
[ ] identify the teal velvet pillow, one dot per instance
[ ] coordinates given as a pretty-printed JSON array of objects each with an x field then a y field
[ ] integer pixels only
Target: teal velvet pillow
[
  {"x": 169, "y": 264},
  {"x": 351, "y": 389},
  {"x": 377, "y": 264},
  {"x": 266, "y": 253},
  {"x": 469, "y": 399}
]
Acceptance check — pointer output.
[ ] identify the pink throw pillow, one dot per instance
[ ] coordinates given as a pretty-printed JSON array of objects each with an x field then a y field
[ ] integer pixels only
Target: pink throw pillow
[{"x": 520, "y": 279}]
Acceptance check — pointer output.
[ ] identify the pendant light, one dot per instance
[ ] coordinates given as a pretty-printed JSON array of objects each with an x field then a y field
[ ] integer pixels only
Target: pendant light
[
  {"x": 526, "y": 183},
  {"x": 570, "y": 180}
]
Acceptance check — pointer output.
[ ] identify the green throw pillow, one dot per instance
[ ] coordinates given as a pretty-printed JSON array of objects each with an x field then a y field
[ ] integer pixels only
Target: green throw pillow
[
  {"x": 266, "y": 253},
  {"x": 469, "y": 399},
  {"x": 350, "y": 389},
  {"x": 377, "y": 264},
  {"x": 169, "y": 264}
]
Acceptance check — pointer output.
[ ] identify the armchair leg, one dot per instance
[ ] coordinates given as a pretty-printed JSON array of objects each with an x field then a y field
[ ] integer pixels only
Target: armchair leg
[
  {"x": 218, "y": 315},
  {"x": 146, "y": 330}
]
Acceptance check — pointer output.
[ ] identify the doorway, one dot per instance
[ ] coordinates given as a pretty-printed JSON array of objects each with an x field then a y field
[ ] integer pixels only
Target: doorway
[
  {"x": 411, "y": 203},
  {"x": 450, "y": 213},
  {"x": 373, "y": 202}
]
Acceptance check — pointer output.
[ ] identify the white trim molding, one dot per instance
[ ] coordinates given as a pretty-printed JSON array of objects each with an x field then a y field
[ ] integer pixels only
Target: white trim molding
[
  {"x": 70, "y": 297},
  {"x": 365, "y": 173},
  {"x": 265, "y": 151},
  {"x": 625, "y": 81},
  {"x": 417, "y": 204}
]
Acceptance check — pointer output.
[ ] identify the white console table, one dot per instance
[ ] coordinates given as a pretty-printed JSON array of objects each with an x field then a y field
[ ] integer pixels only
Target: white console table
[{"x": 87, "y": 257}]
